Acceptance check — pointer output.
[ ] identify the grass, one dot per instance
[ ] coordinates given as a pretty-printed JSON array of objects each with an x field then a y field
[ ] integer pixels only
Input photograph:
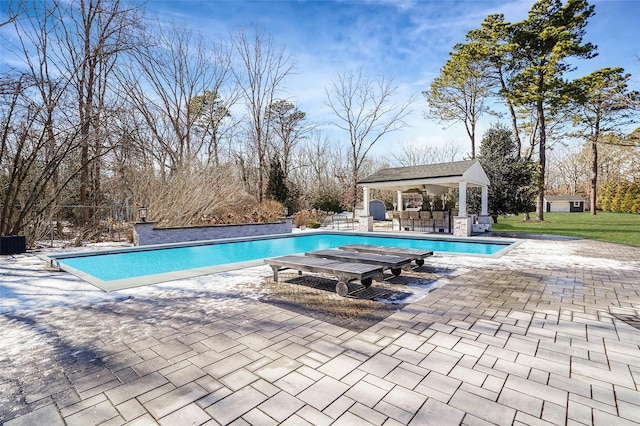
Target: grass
[{"x": 623, "y": 228}]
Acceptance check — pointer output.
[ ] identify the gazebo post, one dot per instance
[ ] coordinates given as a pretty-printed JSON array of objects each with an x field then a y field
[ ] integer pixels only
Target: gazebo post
[
  {"x": 462, "y": 199},
  {"x": 365, "y": 201},
  {"x": 400, "y": 201},
  {"x": 365, "y": 222},
  {"x": 484, "y": 220},
  {"x": 462, "y": 226},
  {"x": 485, "y": 201}
]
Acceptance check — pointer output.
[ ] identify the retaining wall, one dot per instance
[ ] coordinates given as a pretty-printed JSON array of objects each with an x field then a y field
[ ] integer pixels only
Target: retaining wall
[{"x": 145, "y": 233}]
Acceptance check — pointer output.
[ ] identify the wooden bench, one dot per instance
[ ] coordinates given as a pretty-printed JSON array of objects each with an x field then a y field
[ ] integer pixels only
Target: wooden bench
[
  {"x": 394, "y": 263},
  {"x": 343, "y": 271},
  {"x": 414, "y": 254}
]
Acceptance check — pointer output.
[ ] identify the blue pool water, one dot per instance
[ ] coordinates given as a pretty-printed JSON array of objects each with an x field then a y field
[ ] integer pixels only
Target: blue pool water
[{"x": 130, "y": 264}]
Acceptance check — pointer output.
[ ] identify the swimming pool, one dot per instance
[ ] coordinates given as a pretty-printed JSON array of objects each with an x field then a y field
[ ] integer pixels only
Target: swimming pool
[{"x": 123, "y": 268}]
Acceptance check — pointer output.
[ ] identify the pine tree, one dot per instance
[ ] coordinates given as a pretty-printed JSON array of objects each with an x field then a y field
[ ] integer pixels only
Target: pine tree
[
  {"x": 605, "y": 196},
  {"x": 635, "y": 206},
  {"x": 511, "y": 190},
  {"x": 616, "y": 202},
  {"x": 630, "y": 196},
  {"x": 276, "y": 186}
]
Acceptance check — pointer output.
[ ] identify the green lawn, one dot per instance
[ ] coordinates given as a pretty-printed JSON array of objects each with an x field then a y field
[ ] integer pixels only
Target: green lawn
[{"x": 621, "y": 228}]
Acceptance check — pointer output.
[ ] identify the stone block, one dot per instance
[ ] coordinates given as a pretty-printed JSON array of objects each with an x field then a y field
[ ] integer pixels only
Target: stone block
[{"x": 462, "y": 226}]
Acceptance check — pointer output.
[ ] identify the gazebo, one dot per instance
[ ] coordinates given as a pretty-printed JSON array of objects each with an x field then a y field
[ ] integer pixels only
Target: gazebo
[{"x": 432, "y": 179}]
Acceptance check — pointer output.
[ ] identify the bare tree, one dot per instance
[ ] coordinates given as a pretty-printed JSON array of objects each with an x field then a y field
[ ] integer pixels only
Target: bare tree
[
  {"x": 316, "y": 163},
  {"x": 29, "y": 157},
  {"x": 177, "y": 70},
  {"x": 93, "y": 33},
  {"x": 53, "y": 130},
  {"x": 363, "y": 107},
  {"x": 260, "y": 75},
  {"x": 13, "y": 11},
  {"x": 409, "y": 155},
  {"x": 568, "y": 170},
  {"x": 316, "y": 160}
]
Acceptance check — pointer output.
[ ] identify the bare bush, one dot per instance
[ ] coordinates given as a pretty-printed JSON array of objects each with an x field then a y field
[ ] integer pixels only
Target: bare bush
[
  {"x": 202, "y": 196},
  {"x": 304, "y": 217}
]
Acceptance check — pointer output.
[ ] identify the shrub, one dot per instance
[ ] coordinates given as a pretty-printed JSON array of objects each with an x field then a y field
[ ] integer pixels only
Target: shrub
[
  {"x": 313, "y": 224},
  {"x": 303, "y": 217},
  {"x": 327, "y": 199}
]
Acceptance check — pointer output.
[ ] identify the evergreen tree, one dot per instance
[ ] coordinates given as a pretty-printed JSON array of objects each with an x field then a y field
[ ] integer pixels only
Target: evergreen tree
[
  {"x": 605, "y": 197},
  {"x": 528, "y": 61},
  {"x": 630, "y": 196},
  {"x": 276, "y": 186},
  {"x": 603, "y": 104},
  {"x": 462, "y": 91},
  {"x": 635, "y": 206},
  {"x": 545, "y": 42},
  {"x": 616, "y": 202},
  {"x": 511, "y": 177}
]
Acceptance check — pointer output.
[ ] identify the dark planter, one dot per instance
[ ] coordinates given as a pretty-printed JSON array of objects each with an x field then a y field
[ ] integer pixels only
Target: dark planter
[{"x": 13, "y": 244}]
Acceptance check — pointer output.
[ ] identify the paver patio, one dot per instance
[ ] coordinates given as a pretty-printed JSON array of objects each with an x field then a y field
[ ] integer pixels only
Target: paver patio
[{"x": 547, "y": 334}]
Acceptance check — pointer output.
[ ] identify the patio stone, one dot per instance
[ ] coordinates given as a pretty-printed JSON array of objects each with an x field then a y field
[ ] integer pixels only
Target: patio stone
[
  {"x": 188, "y": 415},
  {"x": 135, "y": 388},
  {"x": 131, "y": 409},
  {"x": 323, "y": 393},
  {"x": 238, "y": 379},
  {"x": 339, "y": 366},
  {"x": 437, "y": 413},
  {"x": 235, "y": 405},
  {"x": 47, "y": 415},
  {"x": 404, "y": 399},
  {"x": 281, "y": 406},
  {"x": 174, "y": 400},
  {"x": 483, "y": 408},
  {"x": 97, "y": 414},
  {"x": 366, "y": 393},
  {"x": 380, "y": 365}
]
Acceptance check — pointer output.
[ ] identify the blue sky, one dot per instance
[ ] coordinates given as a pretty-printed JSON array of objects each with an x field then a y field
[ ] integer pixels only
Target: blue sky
[{"x": 408, "y": 40}]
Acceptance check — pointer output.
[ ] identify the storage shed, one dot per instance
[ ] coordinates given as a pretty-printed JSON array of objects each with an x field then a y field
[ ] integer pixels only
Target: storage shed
[
  {"x": 564, "y": 203},
  {"x": 378, "y": 210}
]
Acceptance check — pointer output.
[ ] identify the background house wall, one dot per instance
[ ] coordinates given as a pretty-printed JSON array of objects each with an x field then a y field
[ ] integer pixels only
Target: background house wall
[{"x": 569, "y": 204}]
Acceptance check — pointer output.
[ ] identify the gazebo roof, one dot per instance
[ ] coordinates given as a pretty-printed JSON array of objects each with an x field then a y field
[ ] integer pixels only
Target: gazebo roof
[{"x": 434, "y": 178}]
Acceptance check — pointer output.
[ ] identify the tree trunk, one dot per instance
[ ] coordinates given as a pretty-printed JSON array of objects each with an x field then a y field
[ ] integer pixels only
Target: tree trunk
[
  {"x": 541, "y": 161},
  {"x": 473, "y": 142},
  {"x": 512, "y": 114},
  {"x": 594, "y": 175}
]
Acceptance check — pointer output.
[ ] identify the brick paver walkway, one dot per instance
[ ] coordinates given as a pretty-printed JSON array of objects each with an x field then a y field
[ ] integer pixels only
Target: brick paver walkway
[{"x": 547, "y": 334}]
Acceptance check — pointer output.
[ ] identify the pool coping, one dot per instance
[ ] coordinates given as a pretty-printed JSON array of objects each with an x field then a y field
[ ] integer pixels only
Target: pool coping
[{"x": 126, "y": 283}]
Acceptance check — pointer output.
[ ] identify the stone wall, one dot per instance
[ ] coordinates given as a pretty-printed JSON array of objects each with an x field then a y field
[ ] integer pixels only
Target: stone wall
[{"x": 145, "y": 233}]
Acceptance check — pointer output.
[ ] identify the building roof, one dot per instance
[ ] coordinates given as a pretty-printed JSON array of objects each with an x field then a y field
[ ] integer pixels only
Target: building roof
[
  {"x": 434, "y": 178},
  {"x": 551, "y": 198},
  {"x": 456, "y": 168}
]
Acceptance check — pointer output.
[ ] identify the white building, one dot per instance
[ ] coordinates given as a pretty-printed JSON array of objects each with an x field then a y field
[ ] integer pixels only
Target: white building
[{"x": 564, "y": 203}]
